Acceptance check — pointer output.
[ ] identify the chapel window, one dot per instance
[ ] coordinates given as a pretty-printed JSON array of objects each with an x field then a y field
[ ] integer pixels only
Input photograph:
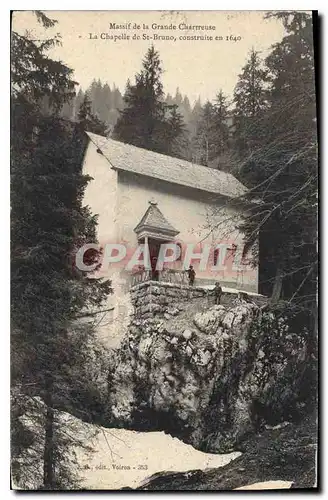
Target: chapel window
[
  {"x": 216, "y": 256},
  {"x": 180, "y": 253}
]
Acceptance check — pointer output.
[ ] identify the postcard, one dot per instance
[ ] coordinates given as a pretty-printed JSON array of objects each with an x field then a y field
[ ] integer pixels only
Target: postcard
[{"x": 164, "y": 264}]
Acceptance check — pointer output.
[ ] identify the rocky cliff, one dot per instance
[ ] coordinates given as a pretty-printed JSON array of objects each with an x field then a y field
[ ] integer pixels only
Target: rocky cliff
[{"x": 208, "y": 374}]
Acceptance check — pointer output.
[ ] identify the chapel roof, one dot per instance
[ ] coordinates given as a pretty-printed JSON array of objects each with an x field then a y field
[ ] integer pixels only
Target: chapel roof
[
  {"x": 154, "y": 219},
  {"x": 125, "y": 157}
]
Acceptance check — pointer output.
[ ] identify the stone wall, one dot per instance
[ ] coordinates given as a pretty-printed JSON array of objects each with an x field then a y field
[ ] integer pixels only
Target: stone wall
[{"x": 155, "y": 298}]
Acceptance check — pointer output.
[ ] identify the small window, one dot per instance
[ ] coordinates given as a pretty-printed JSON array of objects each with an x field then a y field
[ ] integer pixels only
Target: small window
[
  {"x": 246, "y": 255},
  {"x": 180, "y": 253},
  {"x": 216, "y": 256}
]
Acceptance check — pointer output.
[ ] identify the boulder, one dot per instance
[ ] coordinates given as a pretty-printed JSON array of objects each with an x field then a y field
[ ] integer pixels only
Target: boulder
[
  {"x": 173, "y": 311},
  {"x": 187, "y": 334}
]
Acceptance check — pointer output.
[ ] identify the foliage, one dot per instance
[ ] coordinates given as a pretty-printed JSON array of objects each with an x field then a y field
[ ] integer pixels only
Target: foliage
[
  {"x": 281, "y": 168},
  {"x": 48, "y": 223},
  {"x": 204, "y": 139},
  {"x": 105, "y": 103},
  {"x": 221, "y": 127},
  {"x": 277, "y": 334},
  {"x": 250, "y": 102},
  {"x": 33, "y": 74},
  {"x": 87, "y": 120},
  {"x": 174, "y": 133},
  {"x": 212, "y": 137},
  {"x": 71, "y": 435},
  {"x": 143, "y": 121}
]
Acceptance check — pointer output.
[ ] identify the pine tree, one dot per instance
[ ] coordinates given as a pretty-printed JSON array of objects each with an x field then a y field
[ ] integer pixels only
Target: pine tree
[
  {"x": 48, "y": 223},
  {"x": 107, "y": 104},
  {"x": 204, "y": 147},
  {"x": 93, "y": 92},
  {"x": 141, "y": 121},
  {"x": 195, "y": 118},
  {"x": 178, "y": 97},
  {"x": 77, "y": 103},
  {"x": 174, "y": 134},
  {"x": 118, "y": 103},
  {"x": 88, "y": 120},
  {"x": 34, "y": 75},
  {"x": 250, "y": 99},
  {"x": 282, "y": 168},
  {"x": 220, "y": 124},
  {"x": 183, "y": 107},
  {"x": 186, "y": 110}
]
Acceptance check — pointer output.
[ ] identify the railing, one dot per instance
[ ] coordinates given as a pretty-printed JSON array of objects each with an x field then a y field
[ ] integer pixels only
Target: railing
[
  {"x": 175, "y": 276},
  {"x": 140, "y": 276}
]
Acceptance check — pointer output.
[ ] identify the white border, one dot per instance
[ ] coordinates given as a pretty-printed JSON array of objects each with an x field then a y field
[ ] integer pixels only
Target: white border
[{"x": 4, "y": 198}]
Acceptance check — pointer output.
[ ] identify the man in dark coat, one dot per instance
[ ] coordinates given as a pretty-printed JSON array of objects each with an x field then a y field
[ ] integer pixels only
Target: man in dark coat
[
  {"x": 191, "y": 275},
  {"x": 217, "y": 293}
]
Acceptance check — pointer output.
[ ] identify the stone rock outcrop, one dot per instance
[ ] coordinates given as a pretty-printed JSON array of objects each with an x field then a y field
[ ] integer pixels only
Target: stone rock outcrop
[{"x": 207, "y": 377}]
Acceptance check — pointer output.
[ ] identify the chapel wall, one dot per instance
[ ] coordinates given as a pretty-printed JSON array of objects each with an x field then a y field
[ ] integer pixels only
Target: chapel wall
[
  {"x": 199, "y": 218},
  {"x": 158, "y": 299}
]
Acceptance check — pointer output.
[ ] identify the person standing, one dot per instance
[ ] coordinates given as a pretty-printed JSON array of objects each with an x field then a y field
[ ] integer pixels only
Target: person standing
[
  {"x": 191, "y": 275},
  {"x": 217, "y": 293}
]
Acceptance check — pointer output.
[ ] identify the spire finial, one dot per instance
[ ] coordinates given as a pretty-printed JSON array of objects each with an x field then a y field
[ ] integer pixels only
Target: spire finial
[{"x": 152, "y": 201}]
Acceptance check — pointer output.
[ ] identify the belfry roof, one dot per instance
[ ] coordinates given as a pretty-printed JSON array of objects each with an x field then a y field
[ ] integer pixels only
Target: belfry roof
[{"x": 155, "y": 220}]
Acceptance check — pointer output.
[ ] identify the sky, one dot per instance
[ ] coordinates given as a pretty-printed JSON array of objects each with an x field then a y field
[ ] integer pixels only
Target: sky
[{"x": 197, "y": 67}]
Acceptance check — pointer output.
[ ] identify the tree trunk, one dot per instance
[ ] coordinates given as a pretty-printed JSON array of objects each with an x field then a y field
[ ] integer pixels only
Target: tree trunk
[
  {"x": 48, "y": 453},
  {"x": 277, "y": 285},
  {"x": 207, "y": 154}
]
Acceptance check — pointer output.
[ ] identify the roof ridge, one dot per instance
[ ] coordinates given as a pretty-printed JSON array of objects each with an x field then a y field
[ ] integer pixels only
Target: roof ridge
[
  {"x": 127, "y": 157},
  {"x": 159, "y": 154}
]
